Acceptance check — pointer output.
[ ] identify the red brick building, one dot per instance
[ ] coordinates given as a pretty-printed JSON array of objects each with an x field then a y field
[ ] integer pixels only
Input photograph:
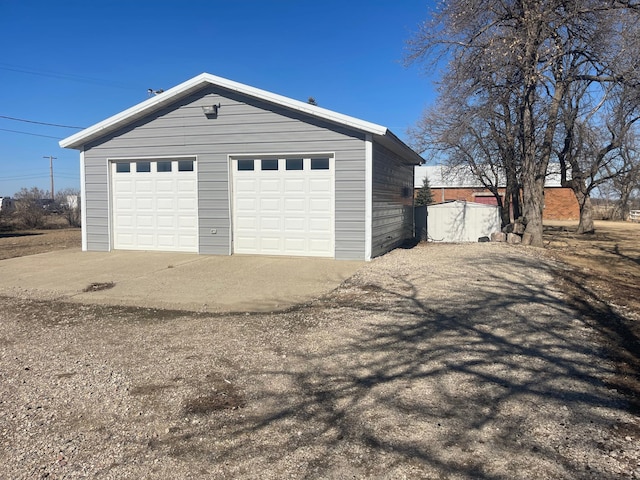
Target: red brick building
[{"x": 559, "y": 203}]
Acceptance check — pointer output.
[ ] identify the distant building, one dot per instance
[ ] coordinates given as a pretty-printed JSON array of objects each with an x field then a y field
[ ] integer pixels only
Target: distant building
[
  {"x": 449, "y": 184},
  {"x": 7, "y": 204}
]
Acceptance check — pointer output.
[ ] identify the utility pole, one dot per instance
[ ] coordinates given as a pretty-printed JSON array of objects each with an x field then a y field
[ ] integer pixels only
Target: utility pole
[{"x": 51, "y": 159}]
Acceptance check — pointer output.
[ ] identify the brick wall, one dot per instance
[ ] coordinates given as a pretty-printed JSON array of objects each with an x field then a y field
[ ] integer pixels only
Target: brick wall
[{"x": 559, "y": 203}]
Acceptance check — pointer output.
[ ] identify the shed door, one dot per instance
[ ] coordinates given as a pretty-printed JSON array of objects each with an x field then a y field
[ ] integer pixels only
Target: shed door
[
  {"x": 283, "y": 206},
  {"x": 155, "y": 205}
]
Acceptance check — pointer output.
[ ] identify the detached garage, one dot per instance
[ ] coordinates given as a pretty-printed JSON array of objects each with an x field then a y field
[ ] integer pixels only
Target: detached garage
[{"x": 217, "y": 167}]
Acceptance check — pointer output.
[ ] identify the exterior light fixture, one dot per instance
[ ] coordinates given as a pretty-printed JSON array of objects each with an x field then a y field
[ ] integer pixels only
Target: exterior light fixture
[{"x": 211, "y": 110}]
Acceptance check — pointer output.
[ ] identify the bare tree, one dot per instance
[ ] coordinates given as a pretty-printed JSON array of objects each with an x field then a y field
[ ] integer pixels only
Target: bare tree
[
  {"x": 626, "y": 182},
  {"x": 536, "y": 50},
  {"x": 591, "y": 144},
  {"x": 29, "y": 209},
  {"x": 70, "y": 206},
  {"x": 479, "y": 137}
]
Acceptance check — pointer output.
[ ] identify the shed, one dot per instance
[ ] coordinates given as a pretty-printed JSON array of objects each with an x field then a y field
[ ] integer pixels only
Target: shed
[
  {"x": 460, "y": 221},
  {"x": 218, "y": 167}
]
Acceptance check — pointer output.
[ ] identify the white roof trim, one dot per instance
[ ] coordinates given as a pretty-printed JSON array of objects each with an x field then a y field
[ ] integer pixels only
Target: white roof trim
[{"x": 194, "y": 84}]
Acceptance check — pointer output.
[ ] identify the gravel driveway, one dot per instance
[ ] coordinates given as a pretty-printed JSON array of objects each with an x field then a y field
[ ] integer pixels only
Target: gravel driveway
[{"x": 442, "y": 361}]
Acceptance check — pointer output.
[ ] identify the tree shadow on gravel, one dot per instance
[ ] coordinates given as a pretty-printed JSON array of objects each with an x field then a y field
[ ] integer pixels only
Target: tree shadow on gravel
[{"x": 499, "y": 379}]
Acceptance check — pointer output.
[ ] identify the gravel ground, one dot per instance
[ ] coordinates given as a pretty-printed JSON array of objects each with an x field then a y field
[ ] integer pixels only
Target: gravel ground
[{"x": 442, "y": 361}]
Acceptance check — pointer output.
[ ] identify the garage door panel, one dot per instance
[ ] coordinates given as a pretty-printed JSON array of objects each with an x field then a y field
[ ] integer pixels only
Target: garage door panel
[
  {"x": 319, "y": 224},
  {"x": 270, "y": 244},
  {"x": 155, "y": 210},
  {"x": 166, "y": 241},
  {"x": 124, "y": 221},
  {"x": 269, "y": 205},
  {"x": 187, "y": 204},
  {"x": 166, "y": 221},
  {"x": 270, "y": 185},
  {"x": 143, "y": 186},
  {"x": 319, "y": 205},
  {"x": 187, "y": 222},
  {"x": 320, "y": 185},
  {"x": 295, "y": 245},
  {"x": 295, "y": 206},
  {"x": 145, "y": 240},
  {"x": 187, "y": 186},
  {"x": 123, "y": 203},
  {"x": 124, "y": 186},
  {"x": 144, "y": 203},
  {"x": 294, "y": 185},
  {"x": 125, "y": 239},
  {"x": 165, "y": 186},
  {"x": 270, "y": 223},
  {"x": 318, "y": 247},
  {"x": 294, "y": 224}
]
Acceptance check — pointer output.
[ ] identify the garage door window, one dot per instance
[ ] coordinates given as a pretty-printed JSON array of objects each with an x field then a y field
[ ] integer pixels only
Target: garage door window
[
  {"x": 163, "y": 166},
  {"x": 319, "y": 164},
  {"x": 185, "y": 166},
  {"x": 143, "y": 167},
  {"x": 295, "y": 164},
  {"x": 245, "y": 165},
  {"x": 123, "y": 167},
  {"x": 270, "y": 164}
]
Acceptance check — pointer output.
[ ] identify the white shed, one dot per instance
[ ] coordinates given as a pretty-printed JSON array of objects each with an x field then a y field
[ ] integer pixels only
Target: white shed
[{"x": 461, "y": 221}]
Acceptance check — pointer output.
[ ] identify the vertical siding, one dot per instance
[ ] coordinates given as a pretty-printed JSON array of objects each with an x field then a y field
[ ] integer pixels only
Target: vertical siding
[
  {"x": 392, "y": 205},
  {"x": 243, "y": 126}
]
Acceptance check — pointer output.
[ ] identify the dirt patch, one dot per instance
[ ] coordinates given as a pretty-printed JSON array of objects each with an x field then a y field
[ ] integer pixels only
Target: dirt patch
[
  {"x": 98, "y": 286},
  {"x": 32, "y": 242},
  {"x": 603, "y": 283}
]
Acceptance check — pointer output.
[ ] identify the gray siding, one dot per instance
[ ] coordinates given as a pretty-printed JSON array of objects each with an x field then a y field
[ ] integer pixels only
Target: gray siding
[
  {"x": 244, "y": 126},
  {"x": 392, "y": 203}
]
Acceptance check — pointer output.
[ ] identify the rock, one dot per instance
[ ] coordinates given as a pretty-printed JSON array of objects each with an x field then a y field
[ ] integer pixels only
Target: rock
[
  {"x": 514, "y": 238},
  {"x": 526, "y": 238},
  {"x": 498, "y": 237},
  {"x": 518, "y": 228}
]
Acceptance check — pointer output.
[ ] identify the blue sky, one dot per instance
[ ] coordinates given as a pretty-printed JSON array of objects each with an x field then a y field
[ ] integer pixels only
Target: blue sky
[{"x": 76, "y": 63}]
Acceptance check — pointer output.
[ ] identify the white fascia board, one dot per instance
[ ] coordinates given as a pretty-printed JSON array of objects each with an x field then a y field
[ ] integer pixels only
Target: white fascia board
[
  {"x": 128, "y": 115},
  {"x": 167, "y": 97},
  {"x": 82, "y": 202}
]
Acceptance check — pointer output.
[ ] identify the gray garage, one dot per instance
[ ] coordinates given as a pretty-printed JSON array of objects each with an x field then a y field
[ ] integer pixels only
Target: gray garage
[{"x": 213, "y": 166}]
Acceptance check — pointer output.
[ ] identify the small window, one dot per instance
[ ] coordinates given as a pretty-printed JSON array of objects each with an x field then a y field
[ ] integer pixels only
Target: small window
[
  {"x": 123, "y": 167},
  {"x": 163, "y": 166},
  {"x": 185, "y": 166},
  {"x": 294, "y": 164},
  {"x": 319, "y": 164},
  {"x": 143, "y": 167},
  {"x": 269, "y": 164},
  {"x": 245, "y": 165}
]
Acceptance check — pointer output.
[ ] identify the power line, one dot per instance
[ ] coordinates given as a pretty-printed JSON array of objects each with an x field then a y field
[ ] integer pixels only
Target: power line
[
  {"x": 40, "y": 123},
  {"x": 27, "y": 133},
  {"x": 66, "y": 76}
]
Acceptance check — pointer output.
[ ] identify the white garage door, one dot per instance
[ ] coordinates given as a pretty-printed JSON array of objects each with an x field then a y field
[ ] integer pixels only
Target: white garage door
[
  {"x": 283, "y": 206},
  {"x": 155, "y": 205}
]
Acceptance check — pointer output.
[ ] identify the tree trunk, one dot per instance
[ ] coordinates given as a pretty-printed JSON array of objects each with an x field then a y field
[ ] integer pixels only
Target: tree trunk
[
  {"x": 586, "y": 213},
  {"x": 533, "y": 200}
]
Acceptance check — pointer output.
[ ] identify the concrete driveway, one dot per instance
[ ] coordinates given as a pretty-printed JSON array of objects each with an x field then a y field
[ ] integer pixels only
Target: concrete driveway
[{"x": 203, "y": 283}]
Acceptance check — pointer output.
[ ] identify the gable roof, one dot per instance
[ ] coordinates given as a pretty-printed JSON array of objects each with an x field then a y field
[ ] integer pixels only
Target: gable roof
[{"x": 196, "y": 83}]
